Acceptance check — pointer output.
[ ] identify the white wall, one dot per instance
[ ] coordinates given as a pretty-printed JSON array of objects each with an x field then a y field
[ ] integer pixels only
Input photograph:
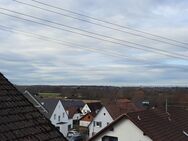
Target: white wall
[
  {"x": 104, "y": 117},
  {"x": 76, "y": 116},
  {"x": 85, "y": 109},
  {"x": 125, "y": 131},
  {"x": 84, "y": 123},
  {"x": 61, "y": 116}
]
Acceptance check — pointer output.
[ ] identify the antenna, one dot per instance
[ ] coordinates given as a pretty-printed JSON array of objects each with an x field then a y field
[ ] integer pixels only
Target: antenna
[{"x": 166, "y": 105}]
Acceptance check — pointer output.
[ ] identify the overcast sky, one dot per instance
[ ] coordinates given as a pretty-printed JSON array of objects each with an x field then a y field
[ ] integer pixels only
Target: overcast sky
[{"x": 29, "y": 60}]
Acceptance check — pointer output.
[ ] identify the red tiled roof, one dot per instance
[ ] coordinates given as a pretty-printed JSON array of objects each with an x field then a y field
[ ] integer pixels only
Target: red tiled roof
[
  {"x": 72, "y": 111},
  {"x": 120, "y": 107},
  {"x": 154, "y": 123},
  {"x": 20, "y": 120}
]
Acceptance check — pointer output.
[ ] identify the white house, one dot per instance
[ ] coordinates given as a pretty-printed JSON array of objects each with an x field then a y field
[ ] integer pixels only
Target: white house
[
  {"x": 91, "y": 107},
  {"x": 148, "y": 125},
  {"x": 60, "y": 119},
  {"x": 107, "y": 114},
  {"x": 86, "y": 119},
  {"x": 122, "y": 130},
  {"x": 64, "y": 113},
  {"x": 101, "y": 120}
]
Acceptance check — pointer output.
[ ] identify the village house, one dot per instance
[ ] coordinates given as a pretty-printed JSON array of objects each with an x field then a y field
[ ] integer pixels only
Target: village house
[
  {"x": 108, "y": 113},
  {"x": 20, "y": 120},
  {"x": 91, "y": 107},
  {"x": 148, "y": 125},
  {"x": 62, "y": 114},
  {"x": 86, "y": 119},
  {"x": 89, "y": 111}
]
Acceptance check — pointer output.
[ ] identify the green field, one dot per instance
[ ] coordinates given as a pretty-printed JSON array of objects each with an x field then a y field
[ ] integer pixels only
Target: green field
[{"x": 49, "y": 94}]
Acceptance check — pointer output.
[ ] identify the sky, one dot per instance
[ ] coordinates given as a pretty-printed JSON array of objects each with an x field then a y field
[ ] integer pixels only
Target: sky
[{"x": 26, "y": 59}]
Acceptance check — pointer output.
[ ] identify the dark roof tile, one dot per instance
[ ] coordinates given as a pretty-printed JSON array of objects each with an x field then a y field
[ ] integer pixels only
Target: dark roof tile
[{"x": 20, "y": 120}]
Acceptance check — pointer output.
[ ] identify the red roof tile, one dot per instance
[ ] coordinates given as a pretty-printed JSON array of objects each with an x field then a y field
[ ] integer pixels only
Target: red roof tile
[{"x": 156, "y": 124}]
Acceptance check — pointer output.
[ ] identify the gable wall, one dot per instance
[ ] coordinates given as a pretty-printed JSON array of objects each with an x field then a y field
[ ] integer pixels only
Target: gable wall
[
  {"x": 85, "y": 109},
  {"x": 125, "y": 131},
  {"x": 104, "y": 117}
]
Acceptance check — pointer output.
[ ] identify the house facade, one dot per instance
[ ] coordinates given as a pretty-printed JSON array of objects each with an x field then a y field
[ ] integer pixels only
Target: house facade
[
  {"x": 123, "y": 130},
  {"x": 60, "y": 119},
  {"x": 102, "y": 119},
  {"x": 108, "y": 113},
  {"x": 93, "y": 107},
  {"x": 86, "y": 119},
  {"x": 147, "y": 125},
  {"x": 85, "y": 109}
]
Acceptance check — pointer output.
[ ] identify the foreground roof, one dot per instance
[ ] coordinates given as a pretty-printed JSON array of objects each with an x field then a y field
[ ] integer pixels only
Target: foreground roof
[
  {"x": 156, "y": 124},
  {"x": 20, "y": 120}
]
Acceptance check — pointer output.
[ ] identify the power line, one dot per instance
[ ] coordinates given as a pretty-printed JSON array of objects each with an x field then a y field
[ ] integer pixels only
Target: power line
[
  {"x": 101, "y": 35},
  {"x": 149, "y": 49},
  {"x": 65, "y": 43},
  {"x": 101, "y": 25},
  {"x": 107, "y": 22}
]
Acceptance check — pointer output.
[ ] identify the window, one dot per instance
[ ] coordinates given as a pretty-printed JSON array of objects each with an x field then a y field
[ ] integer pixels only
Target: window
[
  {"x": 69, "y": 126},
  {"x": 99, "y": 124},
  {"x": 59, "y": 118},
  {"x": 104, "y": 114},
  {"x": 109, "y": 138},
  {"x": 54, "y": 116},
  {"x": 63, "y": 115}
]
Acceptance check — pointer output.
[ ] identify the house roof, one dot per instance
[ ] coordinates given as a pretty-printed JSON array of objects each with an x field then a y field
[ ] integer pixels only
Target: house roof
[
  {"x": 154, "y": 123},
  {"x": 94, "y": 106},
  {"x": 120, "y": 107},
  {"x": 72, "y": 103},
  {"x": 179, "y": 115},
  {"x": 92, "y": 114},
  {"x": 72, "y": 111},
  {"x": 49, "y": 104},
  {"x": 20, "y": 120},
  {"x": 35, "y": 101}
]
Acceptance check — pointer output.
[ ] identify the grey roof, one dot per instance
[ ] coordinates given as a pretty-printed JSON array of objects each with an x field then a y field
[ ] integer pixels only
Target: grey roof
[
  {"x": 20, "y": 120},
  {"x": 49, "y": 104},
  {"x": 72, "y": 103},
  {"x": 35, "y": 101}
]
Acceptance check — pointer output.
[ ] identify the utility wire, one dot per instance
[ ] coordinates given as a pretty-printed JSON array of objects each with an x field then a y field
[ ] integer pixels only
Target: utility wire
[
  {"x": 101, "y": 25},
  {"x": 106, "y": 22},
  {"x": 158, "y": 51},
  {"x": 66, "y": 43},
  {"x": 67, "y": 26}
]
